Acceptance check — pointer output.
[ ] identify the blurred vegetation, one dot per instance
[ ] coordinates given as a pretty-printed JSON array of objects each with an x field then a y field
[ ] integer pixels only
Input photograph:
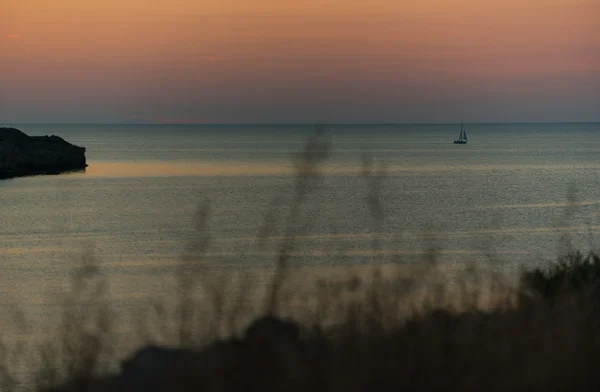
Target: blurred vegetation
[{"x": 574, "y": 275}]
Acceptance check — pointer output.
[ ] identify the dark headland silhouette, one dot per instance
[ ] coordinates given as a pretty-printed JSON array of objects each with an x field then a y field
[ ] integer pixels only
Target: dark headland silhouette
[{"x": 23, "y": 155}]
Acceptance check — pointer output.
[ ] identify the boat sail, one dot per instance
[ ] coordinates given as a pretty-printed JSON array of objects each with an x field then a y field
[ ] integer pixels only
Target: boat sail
[{"x": 462, "y": 139}]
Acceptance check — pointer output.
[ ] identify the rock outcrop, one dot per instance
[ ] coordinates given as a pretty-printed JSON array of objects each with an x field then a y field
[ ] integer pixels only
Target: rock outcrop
[
  {"x": 23, "y": 155},
  {"x": 272, "y": 356}
]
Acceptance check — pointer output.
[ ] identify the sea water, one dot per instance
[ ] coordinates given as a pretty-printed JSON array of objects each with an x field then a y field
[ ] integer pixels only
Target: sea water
[{"x": 515, "y": 196}]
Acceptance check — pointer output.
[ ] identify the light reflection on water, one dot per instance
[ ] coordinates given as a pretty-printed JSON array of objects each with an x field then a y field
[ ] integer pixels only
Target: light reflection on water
[{"x": 174, "y": 169}]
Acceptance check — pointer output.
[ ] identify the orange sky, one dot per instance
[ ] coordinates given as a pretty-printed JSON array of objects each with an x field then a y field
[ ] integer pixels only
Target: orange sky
[{"x": 301, "y": 61}]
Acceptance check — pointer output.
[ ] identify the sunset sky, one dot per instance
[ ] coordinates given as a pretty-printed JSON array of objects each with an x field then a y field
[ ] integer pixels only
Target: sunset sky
[{"x": 273, "y": 61}]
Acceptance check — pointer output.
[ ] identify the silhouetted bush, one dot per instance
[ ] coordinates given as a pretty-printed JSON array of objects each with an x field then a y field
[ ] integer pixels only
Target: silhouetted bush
[{"x": 573, "y": 274}]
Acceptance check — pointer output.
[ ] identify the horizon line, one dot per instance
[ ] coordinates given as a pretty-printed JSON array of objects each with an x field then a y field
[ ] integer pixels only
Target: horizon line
[{"x": 301, "y": 123}]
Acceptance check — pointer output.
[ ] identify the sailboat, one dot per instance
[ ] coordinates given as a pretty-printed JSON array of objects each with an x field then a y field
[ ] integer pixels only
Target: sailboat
[{"x": 462, "y": 139}]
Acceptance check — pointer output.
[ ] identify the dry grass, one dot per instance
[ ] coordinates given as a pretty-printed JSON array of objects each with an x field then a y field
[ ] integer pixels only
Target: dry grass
[{"x": 380, "y": 340}]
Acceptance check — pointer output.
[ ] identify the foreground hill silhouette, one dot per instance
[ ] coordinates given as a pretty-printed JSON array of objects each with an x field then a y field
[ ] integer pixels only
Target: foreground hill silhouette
[
  {"x": 548, "y": 340},
  {"x": 23, "y": 155}
]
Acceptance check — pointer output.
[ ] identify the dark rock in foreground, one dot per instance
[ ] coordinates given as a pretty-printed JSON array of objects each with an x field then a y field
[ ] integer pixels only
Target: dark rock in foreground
[
  {"x": 271, "y": 356},
  {"x": 23, "y": 155}
]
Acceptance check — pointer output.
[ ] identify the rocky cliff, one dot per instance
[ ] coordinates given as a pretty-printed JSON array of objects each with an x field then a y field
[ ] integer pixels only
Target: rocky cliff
[{"x": 23, "y": 155}]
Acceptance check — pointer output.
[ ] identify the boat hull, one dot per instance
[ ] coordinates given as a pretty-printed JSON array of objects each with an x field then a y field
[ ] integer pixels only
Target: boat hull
[{"x": 460, "y": 142}]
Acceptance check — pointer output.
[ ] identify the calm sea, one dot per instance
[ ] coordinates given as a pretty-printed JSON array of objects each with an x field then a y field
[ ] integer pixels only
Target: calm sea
[{"x": 515, "y": 195}]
